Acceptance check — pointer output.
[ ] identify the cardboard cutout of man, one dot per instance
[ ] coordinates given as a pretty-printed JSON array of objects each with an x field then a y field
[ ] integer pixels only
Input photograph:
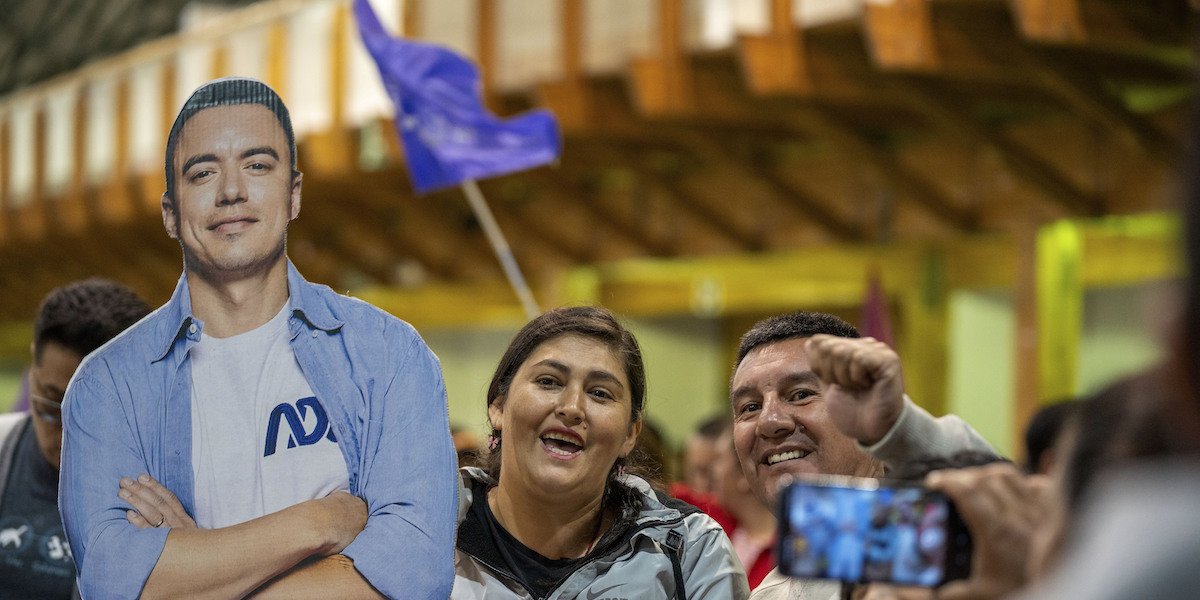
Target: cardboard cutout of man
[{"x": 268, "y": 435}]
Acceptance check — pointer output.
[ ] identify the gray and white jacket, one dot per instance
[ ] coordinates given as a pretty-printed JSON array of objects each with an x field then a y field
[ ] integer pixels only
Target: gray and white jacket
[{"x": 642, "y": 556}]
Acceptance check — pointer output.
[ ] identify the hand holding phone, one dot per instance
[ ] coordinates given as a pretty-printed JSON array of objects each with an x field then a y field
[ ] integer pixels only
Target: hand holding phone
[
  {"x": 1007, "y": 511},
  {"x": 870, "y": 530}
]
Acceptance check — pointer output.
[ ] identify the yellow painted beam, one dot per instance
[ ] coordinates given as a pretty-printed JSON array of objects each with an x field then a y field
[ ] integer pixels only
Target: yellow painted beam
[
  {"x": 1128, "y": 250},
  {"x": 1114, "y": 251},
  {"x": 922, "y": 337},
  {"x": 489, "y": 303},
  {"x": 1059, "y": 307}
]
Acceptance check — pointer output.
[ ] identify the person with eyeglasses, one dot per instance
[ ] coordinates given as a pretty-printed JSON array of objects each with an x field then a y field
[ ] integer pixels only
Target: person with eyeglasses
[{"x": 73, "y": 320}]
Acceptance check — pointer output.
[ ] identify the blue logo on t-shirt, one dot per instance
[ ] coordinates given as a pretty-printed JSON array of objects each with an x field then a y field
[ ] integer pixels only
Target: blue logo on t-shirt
[{"x": 295, "y": 421}]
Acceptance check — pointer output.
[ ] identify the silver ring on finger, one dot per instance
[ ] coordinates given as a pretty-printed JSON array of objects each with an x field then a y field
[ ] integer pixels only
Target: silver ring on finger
[{"x": 161, "y": 521}]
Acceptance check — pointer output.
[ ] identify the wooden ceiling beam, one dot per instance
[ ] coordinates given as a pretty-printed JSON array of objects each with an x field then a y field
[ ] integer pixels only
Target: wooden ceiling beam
[
  {"x": 809, "y": 120},
  {"x": 348, "y": 201},
  {"x": 24, "y": 282},
  {"x": 900, "y": 35},
  {"x": 805, "y": 118},
  {"x": 1102, "y": 22},
  {"x": 371, "y": 254},
  {"x": 983, "y": 25},
  {"x": 672, "y": 184},
  {"x": 775, "y": 63},
  {"x": 570, "y": 98},
  {"x": 818, "y": 121},
  {"x": 805, "y": 205},
  {"x": 662, "y": 84},
  {"x": 951, "y": 117},
  {"x": 521, "y": 228},
  {"x": 802, "y": 203},
  {"x": 568, "y": 186},
  {"x": 1088, "y": 98},
  {"x": 437, "y": 222}
]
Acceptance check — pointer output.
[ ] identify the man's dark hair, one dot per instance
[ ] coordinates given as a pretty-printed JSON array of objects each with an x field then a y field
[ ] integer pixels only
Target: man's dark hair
[
  {"x": 1043, "y": 431},
  {"x": 799, "y": 324},
  {"x": 82, "y": 316},
  {"x": 712, "y": 428},
  {"x": 917, "y": 468},
  {"x": 228, "y": 91}
]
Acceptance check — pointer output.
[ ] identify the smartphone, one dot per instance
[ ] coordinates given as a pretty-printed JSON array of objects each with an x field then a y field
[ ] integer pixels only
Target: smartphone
[{"x": 870, "y": 530}]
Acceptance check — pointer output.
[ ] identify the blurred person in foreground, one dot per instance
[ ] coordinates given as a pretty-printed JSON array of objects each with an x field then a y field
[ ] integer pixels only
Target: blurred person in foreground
[
  {"x": 258, "y": 434},
  {"x": 73, "y": 320},
  {"x": 1135, "y": 533},
  {"x": 1030, "y": 532},
  {"x": 555, "y": 514},
  {"x": 810, "y": 396}
]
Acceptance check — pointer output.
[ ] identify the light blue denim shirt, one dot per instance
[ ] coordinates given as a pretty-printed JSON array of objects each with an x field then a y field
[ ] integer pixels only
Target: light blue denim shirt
[{"x": 128, "y": 411}]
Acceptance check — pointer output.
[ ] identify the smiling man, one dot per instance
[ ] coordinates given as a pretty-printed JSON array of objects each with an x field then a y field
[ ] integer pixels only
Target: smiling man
[
  {"x": 258, "y": 434},
  {"x": 810, "y": 396}
]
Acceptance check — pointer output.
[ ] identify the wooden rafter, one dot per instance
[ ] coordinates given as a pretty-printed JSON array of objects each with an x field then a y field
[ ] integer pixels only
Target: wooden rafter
[
  {"x": 683, "y": 197},
  {"x": 775, "y": 63},
  {"x": 522, "y": 228},
  {"x": 802, "y": 203},
  {"x": 977, "y": 34},
  {"x": 822, "y": 123},
  {"x": 372, "y": 201},
  {"x": 948, "y": 115},
  {"x": 953, "y": 118},
  {"x": 567, "y": 186},
  {"x": 663, "y": 83}
]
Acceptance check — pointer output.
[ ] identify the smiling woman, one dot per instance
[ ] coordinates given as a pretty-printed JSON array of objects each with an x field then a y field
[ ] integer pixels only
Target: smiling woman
[{"x": 553, "y": 513}]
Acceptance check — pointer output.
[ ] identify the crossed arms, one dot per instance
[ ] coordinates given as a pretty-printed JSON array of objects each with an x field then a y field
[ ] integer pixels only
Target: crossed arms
[
  {"x": 293, "y": 551},
  {"x": 399, "y": 543}
]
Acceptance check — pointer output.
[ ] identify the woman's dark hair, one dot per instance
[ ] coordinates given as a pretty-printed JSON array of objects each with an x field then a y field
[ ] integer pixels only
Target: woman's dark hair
[{"x": 588, "y": 321}]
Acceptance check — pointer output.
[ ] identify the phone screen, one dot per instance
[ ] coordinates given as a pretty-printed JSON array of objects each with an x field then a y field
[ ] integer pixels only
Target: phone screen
[{"x": 867, "y": 530}]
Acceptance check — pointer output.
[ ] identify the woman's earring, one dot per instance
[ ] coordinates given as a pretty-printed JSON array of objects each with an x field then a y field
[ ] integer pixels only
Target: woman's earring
[
  {"x": 620, "y": 470},
  {"x": 493, "y": 441}
]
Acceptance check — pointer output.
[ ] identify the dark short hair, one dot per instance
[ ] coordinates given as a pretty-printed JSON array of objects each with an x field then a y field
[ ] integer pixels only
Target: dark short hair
[
  {"x": 916, "y": 469},
  {"x": 800, "y": 324},
  {"x": 713, "y": 427},
  {"x": 227, "y": 91},
  {"x": 82, "y": 316},
  {"x": 589, "y": 321},
  {"x": 1043, "y": 430}
]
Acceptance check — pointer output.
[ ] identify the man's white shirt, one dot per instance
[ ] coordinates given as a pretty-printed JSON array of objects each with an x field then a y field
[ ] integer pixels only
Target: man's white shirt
[{"x": 261, "y": 441}]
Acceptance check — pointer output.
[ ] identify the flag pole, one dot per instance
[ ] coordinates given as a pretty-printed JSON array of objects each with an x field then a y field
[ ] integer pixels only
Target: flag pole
[{"x": 500, "y": 247}]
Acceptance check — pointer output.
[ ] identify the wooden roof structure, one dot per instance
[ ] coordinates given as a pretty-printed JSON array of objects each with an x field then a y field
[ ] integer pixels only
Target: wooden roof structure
[{"x": 906, "y": 120}]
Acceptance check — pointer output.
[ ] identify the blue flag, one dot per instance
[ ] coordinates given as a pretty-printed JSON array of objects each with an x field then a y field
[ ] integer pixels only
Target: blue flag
[{"x": 448, "y": 134}]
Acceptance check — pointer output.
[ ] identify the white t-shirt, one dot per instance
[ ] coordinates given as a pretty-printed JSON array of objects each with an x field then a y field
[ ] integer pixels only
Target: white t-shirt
[{"x": 261, "y": 441}]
